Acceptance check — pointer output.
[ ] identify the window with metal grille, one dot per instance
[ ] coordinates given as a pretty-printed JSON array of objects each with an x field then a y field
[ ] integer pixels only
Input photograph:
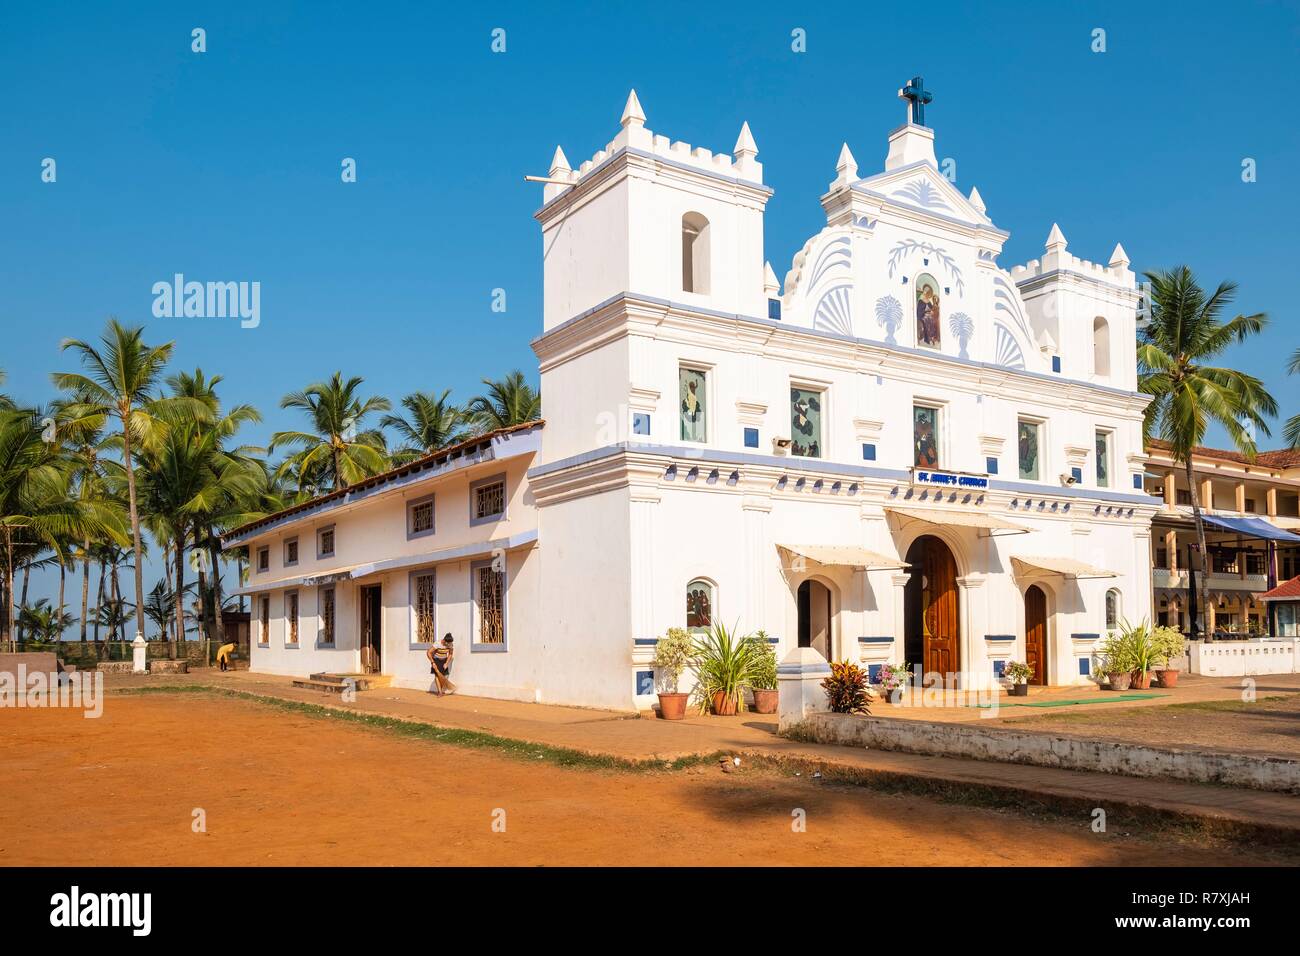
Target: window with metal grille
[
  {"x": 291, "y": 552},
  {"x": 489, "y": 500},
  {"x": 325, "y": 543},
  {"x": 263, "y": 559},
  {"x": 327, "y": 615},
  {"x": 264, "y": 620},
  {"x": 291, "y": 617},
  {"x": 422, "y": 516},
  {"x": 489, "y": 597},
  {"x": 425, "y": 603}
]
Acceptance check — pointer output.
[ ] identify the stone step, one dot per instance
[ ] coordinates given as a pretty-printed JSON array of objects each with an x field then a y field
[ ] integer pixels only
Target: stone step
[{"x": 337, "y": 683}]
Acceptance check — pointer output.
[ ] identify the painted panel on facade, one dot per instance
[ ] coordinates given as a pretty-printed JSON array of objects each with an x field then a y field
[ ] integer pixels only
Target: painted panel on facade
[
  {"x": 1027, "y": 439},
  {"x": 692, "y": 398},
  {"x": 699, "y": 605},
  {"x": 925, "y": 436},
  {"x": 806, "y": 422},
  {"x": 1103, "y": 459},
  {"x": 927, "y": 311}
]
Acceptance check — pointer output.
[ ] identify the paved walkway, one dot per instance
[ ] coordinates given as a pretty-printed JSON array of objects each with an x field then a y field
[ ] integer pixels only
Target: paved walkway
[{"x": 639, "y": 738}]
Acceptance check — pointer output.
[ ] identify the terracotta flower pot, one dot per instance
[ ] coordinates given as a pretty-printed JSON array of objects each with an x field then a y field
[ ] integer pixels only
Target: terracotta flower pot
[
  {"x": 724, "y": 705},
  {"x": 1167, "y": 677},
  {"x": 1120, "y": 681},
  {"x": 1141, "y": 680},
  {"x": 765, "y": 700},
  {"x": 672, "y": 706},
  {"x": 1019, "y": 690}
]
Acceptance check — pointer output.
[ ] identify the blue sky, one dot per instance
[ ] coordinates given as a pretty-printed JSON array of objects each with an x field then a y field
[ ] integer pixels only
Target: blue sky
[{"x": 225, "y": 165}]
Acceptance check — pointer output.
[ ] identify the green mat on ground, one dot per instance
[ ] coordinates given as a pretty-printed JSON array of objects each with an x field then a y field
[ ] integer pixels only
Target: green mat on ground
[{"x": 1070, "y": 703}]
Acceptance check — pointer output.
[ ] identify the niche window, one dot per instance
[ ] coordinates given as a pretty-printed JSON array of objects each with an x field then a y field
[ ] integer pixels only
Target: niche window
[
  {"x": 1100, "y": 348},
  {"x": 695, "y": 253}
]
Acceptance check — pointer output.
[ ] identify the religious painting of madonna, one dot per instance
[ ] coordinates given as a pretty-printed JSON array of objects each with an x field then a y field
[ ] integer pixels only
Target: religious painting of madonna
[
  {"x": 691, "y": 388},
  {"x": 927, "y": 311},
  {"x": 925, "y": 436},
  {"x": 805, "y": 423}
]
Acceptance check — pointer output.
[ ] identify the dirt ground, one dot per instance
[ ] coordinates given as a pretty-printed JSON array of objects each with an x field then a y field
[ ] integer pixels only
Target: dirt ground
[
  {"x": 1270, "y": 725},
  {"x": 283, "y": 788}
]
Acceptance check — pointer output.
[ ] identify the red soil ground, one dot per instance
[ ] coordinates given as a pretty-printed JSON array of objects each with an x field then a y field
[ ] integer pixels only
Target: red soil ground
[{"x": 283, "y": 788}]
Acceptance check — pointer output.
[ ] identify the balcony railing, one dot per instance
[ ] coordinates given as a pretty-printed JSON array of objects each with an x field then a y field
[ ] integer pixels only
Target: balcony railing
[{"x": 1164, "y": 578}]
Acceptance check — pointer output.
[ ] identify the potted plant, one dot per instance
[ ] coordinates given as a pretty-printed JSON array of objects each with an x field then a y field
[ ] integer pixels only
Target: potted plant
[
  {"x": 724, "y": 667},
  {"x": 1142, "y": 647},
  {"x": 1018, "y": 673},
  {"x": 1116, "y": 661},
  {"x": 892, "y": 679},
  {"x": 763, "y": 683},
  {"x": 674, "y": 653},
  {"x": 1169, "y": 642},
  {"x": 846, "y": 689}
]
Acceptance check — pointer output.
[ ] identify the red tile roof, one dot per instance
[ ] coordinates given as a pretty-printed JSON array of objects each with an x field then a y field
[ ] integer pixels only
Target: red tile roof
[
  {"x": 1286, "y": 591},
  {"x": 436, "y": 457},
  {"x": 1278, "y": 458}
]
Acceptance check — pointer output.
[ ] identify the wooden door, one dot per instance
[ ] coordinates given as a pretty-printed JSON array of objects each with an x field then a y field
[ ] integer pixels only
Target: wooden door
[
  {"x": 1036, "y": 633},
  {"x": 939, "y": 621}
]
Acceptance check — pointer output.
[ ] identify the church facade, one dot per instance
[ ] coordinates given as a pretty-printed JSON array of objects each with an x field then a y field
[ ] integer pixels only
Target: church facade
[{"x": 901, "y": 452}]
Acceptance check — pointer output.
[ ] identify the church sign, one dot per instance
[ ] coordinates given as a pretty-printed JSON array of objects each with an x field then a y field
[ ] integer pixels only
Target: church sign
[{"x": 947, "y": 479}]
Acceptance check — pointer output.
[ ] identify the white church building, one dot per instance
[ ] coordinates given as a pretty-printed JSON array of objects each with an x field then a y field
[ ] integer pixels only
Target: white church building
[{"x": 902, "y": 452}]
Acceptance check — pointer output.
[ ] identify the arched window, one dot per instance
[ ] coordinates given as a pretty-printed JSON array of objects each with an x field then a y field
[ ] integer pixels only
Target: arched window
[
  {"x": 699, "y": 605},
  {"x": 1112, "y": 609},
  {"x": 1100, "y": 348},
  {"x": 695, "y": 253}
]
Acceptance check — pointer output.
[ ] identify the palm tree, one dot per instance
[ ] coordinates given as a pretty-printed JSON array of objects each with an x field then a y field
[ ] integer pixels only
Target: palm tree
[
  {"x": 336, "y": 450},
  {"x": 120, "y": 381},
  {"x": 43, "y": 622},
  {"x": 510, "y": 401},
  {"x": 35, "y": 508},
  {"x": 1185, "y": 331},
  {"x": 434, "y": 423},
  {"x": 1291, "y": 430},
  {"x": 6, "y": 403}
]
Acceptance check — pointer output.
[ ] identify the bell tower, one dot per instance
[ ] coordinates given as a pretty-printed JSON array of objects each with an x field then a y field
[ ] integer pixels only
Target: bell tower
[{"x": 656, "y": 218}]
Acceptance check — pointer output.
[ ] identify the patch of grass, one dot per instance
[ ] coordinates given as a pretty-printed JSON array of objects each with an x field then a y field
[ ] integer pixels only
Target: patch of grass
[
  {"x": 1205, "y": 706},
  {"x": 455, "y": 736}
]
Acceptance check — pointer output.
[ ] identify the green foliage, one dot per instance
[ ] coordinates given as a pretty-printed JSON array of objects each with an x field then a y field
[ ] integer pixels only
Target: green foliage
[
  {"x": 724, "y": 664},
  {"x": 674, "y": 653},
  {"x": 846, "y": 689},
  {"x": 1017, "y": 672},
  {"x": 1169, "y": 643},
  {"x": 1131, "y": 649},
  {"x": 509, "y": 401},
  {"x": 764, "y": 662}
]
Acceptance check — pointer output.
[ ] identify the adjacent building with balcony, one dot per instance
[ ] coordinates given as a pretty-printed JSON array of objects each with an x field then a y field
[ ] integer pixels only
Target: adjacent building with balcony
[{"x": 1252, "y": 512}]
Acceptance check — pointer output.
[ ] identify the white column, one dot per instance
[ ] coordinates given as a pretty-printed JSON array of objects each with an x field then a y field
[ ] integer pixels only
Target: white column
[
  {"x": 759, "y": 554},
  {"x": 1142, "y": 576},
  {"x": 900, "y": 616},
  {"x": 643, "y": 502},
  {"x": 799, "y": 677},
  {"x": 973, "y": 619}
]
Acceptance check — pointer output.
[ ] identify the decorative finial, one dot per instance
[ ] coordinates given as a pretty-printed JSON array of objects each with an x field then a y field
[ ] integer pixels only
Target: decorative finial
[
  {"x": 745, "y": 145},
  {"x": 559, "y": 163},
  {"x": 1056, "y": 239},
  {"x": 632, "y": 113},
  {"x": 1118, "y": 258},
  {"x": 846, "y": 166},
  {"x": 977, "y": 201},
  {"x": 917, "y": 96},
  {"x": 770, "y": 286}
]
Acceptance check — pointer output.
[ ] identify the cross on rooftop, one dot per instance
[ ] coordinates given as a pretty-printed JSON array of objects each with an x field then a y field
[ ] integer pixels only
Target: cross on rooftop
[{"x": 917, "y": 96}]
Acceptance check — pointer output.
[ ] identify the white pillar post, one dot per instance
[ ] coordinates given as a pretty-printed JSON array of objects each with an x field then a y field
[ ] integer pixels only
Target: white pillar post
[{"x": 799, "y": 691}]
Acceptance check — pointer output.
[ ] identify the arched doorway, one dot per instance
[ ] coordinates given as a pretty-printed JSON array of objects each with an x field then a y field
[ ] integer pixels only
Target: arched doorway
[
  {"x": 1036, "y": 633},
  {"x": 932, "y": 629},
  {"x": 815, "y": 617}
]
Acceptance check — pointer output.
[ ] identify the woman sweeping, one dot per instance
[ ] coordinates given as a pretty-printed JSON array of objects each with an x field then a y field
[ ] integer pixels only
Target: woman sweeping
[{"x": 440, "y": 665}]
